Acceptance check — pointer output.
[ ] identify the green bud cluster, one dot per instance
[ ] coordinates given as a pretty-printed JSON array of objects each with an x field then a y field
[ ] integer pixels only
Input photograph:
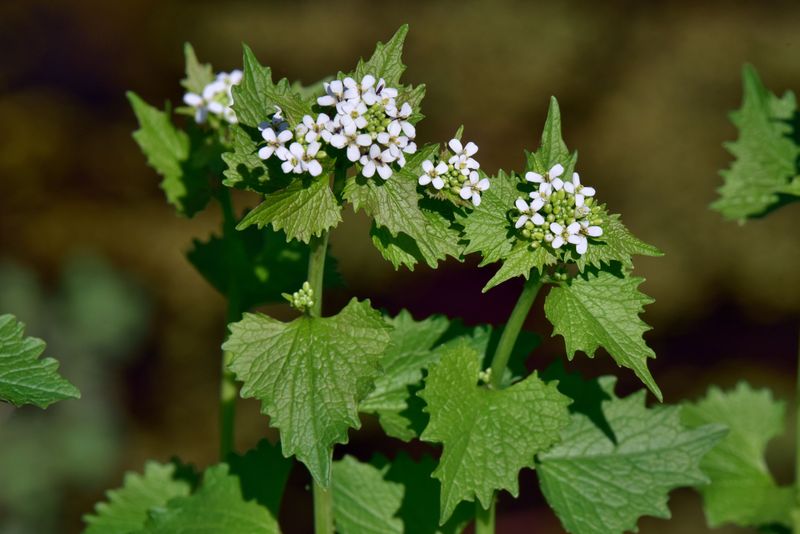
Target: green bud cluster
[
  {"x": 560, "y": 208},
  {"x": 453, "y": 179},
  {"x": 301, "y": 299},
  {"x": 485, "y": 377},
  {"x": 377, "y": 120}
]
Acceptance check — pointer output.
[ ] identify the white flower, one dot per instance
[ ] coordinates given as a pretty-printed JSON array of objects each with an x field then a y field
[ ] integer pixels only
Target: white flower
[
  {"x": 542, "y": 195},
  {"x": 433, "y": 174},
  {"x": 580, "y": 191},
  {"x": 551, "y": 177},
  {"x": 473, "y": 187},
  {"x": 274, "y": 142},
  {"x": 561, "y": 234},
  {"x": 196, "y": 101},
  {"x": 380, "y": 94},
  {"x": 332, "y": 127},
  {"x": 401, "y": 116},
  {"x": 315, "y": 128},
  {"x": 377, "y": 160},
  {"x": 353, "y": 111},
  {"x": 353, "y": 90},
  {"x": 334, "y": 93},
  {"x": 528, "y": 212},
  {"x": 309, "y": 163},
  {"x": 394, "y": 141},
  {"x": 462, "y": 156},
  {"x": 293, "y": 158},
  {"x": 350, "y": 138}
]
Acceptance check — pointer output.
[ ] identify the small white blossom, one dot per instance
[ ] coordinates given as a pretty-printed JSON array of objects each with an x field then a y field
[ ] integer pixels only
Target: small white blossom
[
  {"x": 393, "y": 139},
  {"x": 580, "y": 191},
  {"x": 551, "y": 177},
  {"x": 433, "y": 174},
  {"x": 334, "y": 93},
  {"x": 380, "y": 94},
  {"x": 377, "y": 160},
  {"x": 216, "y": 98},
  {"x": 354, "y": 90},
  {"x": 528, "y": 212},
  {"x": 563, "y": 234},
  {"x": 353, "y": 111},
  {"x": 462, "y": 156},
  {"x": 315, "y": 127},
  {"x": 401, "y": 117},
  {"x": 350, "y": 138},
  {"x": 473, "y": 187},
  {"x": 309, "y": 162},
  {"x": 292, "y": 158},
  {"x": 274, "y": 142}
]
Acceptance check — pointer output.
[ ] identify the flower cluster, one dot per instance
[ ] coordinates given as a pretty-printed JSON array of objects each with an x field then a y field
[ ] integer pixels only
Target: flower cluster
[
  {"x": 302, "y": 299},
  {"x": 365, "y": 121},
  {"x": 216, "y": 98},
  {"x": 458, "y": 175},
  {"x": 558, "y": 213}
]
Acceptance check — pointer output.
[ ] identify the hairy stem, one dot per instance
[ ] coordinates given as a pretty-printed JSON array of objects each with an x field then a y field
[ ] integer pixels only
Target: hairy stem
[
  {"x": 228, "y": 390},
  {"x": 484, "y": 519}
]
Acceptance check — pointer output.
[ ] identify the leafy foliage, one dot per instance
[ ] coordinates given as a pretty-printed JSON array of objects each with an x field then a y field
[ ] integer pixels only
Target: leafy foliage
[
  {"x": 127, "y": 507},
  {"x": 617, "y": 245},
  {"x": 488, "y": 435},
  {"x": 263, "y": 473},
  {"x": 255, "y": 265},
  {"x": 742, "y": 490},
  {"x": 601, "y": 309},
  {"x": 765, "y": 169},
  {"x": 602, "y": 485},
  {"x": 216, "y": 506},
  {"x": 310, "y": 375},
  {"x": 394, "y": 206},
  {"x": 390, "y": 497},
  {"x": 180, "y": 160},
  {"x": 24, "y": 378},
  {"x": 198, "y": 75}
]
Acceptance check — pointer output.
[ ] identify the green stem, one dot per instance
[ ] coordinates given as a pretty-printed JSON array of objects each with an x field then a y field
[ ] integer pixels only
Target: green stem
[
  {"x": 513, "y": 328},
  {"x": 228, "y": 390},
  {"x": 484, "y": 518},
  {"x": 797, "y": 431},
  {"x": 323, "y": 501}
]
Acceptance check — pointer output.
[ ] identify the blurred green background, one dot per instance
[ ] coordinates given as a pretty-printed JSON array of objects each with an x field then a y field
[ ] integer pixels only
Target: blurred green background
[{"x": 644, "y": 87}]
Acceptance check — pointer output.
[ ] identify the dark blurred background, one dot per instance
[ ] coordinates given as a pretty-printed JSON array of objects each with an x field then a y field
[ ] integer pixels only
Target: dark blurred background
[{"x": 93, "y": 257}]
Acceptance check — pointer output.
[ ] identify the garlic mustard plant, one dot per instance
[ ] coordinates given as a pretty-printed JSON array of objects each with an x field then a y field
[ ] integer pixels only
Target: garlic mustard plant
[
  {"x": 763, "y": 177},
  {"x": 298, "y": 155}
]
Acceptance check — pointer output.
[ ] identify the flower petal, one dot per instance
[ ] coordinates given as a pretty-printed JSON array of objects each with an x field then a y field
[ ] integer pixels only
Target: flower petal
[{"x": 534, "y": 177}]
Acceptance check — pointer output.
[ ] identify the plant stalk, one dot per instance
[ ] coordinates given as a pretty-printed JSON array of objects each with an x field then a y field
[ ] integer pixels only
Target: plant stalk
[
  {"x": 228, "y": 390},
  {"x": 323, "y": 501},
  {"x": 485, "y": 518},
  {"x": 797, "y": 430}
]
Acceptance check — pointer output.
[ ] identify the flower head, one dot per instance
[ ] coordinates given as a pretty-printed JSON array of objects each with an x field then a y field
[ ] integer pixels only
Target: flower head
[
  {"x": 433, "y": 174},
  {"x": 216, "y": 98},
  {"x": 473, "y": 187}
]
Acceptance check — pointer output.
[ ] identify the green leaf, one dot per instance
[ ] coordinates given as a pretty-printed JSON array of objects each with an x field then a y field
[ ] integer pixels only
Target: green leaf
[
  {"x": 601, "y": 309},
  {"x": 262, "y": 473},
  {"x": 168, "y": 152},
  {"x": 552, "y": 148},
  {"x": 391, "y": 497},
  {"x": 304, "y": 208},
  {"x": 394, "y": 205},
  {"x": 198, "y": 75},
  {"x": 599, "y": 485},
  {"x": 217, "y": 506},
  {"x": 363, "y": 502},
  {"x": 488, "y": 435},
  {"x": 617, "y": 244},
  {"x": 255, "y": 265},
  {"x": 387, "y": 63},
  {"x": 409, "y": 353},
  {"x": 256, "y": 96},
  {"x": 310, "y": 374},
  {"x": 487, "y": 228},
  {"x": 245, "y": 170},
  {"x": 742, "y": 490},
  {"x": 24, "y": 378},
  {"x": 766, "y": 152},
  {"x": 127, "y": 507},
  {"x": 522, "y": 261}
]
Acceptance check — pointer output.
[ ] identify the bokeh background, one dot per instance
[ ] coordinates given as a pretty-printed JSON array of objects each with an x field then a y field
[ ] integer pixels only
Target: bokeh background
[{"x": 92, "y": 258}]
